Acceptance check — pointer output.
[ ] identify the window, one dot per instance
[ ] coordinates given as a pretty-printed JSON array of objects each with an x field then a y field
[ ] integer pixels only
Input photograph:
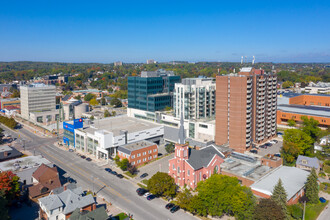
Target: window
[
  {"x": 155, "y": 156},
  {"x": 173, "y": 167},
  {"x": 150, "y": 151},
  {"x": 144, "y": 159},
  {"x": 188, "y": 173},
  {"x": 138, "y": 155},
  {"x": 144, "y": 153},
  {"x": 155, "y": 150},
  {"x": 139, "y": 161},
  {"x": 133, "y": 163},
  {"x": 178, "y": 169},
  {"x": 133, "y": 156},
  {"x": 57, "y": 217},
  {"x": 203, "y": 126},
  {"x": 304, "y": 161},
  {"x": 216, "y": 168},
  {"x": 200, "y": 176}
]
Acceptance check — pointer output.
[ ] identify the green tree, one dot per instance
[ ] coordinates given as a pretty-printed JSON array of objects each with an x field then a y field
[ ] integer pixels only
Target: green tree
[
  {"x": 107, "y": 114},
  {"x": 115, "y": 102},
  {"x": 310, "y": 127},
  {"x": 295, "y": 211},
  {"x": 183, "y": 199},
  {"x": 170, "y": 148},
  {"x": 312, "y": 188},
  {"x": 113, "y": 113},
  {"x": 117, "y": 160},
  {"x": 162, "y": 184},
  {"x": 268, "y": 209},
  {"x": 296, "y": 142},
  {"x": 89, "y": 96},
  {"x": 279, "y": 196},
  {"x": 92, "y": 117},
  {"x": 103, "y": 101},
  {"x": 287, "y": 84},
  {"x": 78, "y": 97},
  {"x": 93, "y": 102},
  {"x": 168, "y": 108},
  {"x": 123, "y": 164},
  {"x": 292, "y": 123}
]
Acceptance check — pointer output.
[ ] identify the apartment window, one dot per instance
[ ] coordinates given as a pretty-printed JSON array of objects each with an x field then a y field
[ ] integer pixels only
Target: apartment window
[
  {"x": 173, "y": 167},
  {"x": 155, "y": 150},
  {"x": 138, "y": 155},
  {"x": 133, "y": 156},
  {"x": 155, "y": 156},
  {"x": 57, "y": 217},
  {"x": 188, "y": 173},
  {"x": 200, "y": 176},
  {"x": 203, "y": 126},
  {"x": 150, "y": 151},
  {"x": 144, "y": 153},
  {"x": 144, "y": 159},
  {"x": 178, "y": 169},
  {"x": 133, "y": 163},
  {"x": 139, "y": 161}
]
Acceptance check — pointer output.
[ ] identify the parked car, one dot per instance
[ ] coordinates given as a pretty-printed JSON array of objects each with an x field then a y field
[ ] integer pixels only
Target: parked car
[
  {"x": 272, "y": 142},
  {"x": 276, "y": 141},
  {"x": 108, "y": 170},
  {"x": 322, "y": 200},
  {"x": 88, "y": 159},
  {"x": 175, "y": 208},
  {"x": 70, "y": 150},
  {"x": 254, "y": 151},
  {"x": 151, "y": 197},
  {"x": 143, "y": 175},
  {"x": 113, "y": 172},
  {"x": 263, "y": 146},
  {"x": 82, "y": 156},
  {"x": 169, "y": 205},
  {"x": 120, "y": 176},
  {"x": 268, "y": 144},
  {"x": 141, "y": 191},
  {"x": 277, "y": 155},
  {"x": 147, "y": 194}
]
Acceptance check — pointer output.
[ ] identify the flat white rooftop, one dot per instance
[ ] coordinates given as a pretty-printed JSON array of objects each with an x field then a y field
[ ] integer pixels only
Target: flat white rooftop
[
  {"x": 118, "y": 124},
  {"x": 23, "y": 163}
]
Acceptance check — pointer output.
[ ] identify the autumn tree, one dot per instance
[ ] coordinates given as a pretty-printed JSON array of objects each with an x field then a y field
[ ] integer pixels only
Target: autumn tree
[
  {"x": 93, "y": 102},
  {"x": 162, "y": 184},
  {"x": 9, "y": 185},
  {"x": 312, "y": 188},
  {"x": 107, "y": 114},
  {"x": 268, "y": 209}
]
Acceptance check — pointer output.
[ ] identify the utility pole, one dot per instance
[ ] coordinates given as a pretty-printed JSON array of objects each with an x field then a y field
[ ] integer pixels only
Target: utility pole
[
  {"x": 304, "y": 210},
  {"x": 93, "y": 184}
]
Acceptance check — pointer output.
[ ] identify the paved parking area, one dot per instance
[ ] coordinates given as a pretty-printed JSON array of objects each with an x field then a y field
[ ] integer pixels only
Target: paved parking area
[{"x": 274, "y": 149}]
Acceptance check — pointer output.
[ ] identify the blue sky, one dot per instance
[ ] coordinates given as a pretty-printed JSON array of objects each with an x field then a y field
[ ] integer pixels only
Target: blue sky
[{"x": 133, "y": 31}]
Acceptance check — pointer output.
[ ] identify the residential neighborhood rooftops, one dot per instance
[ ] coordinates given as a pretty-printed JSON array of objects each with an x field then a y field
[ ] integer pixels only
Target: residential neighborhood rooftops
[
  {"x": 128, "y": 148},
  {"x": 23, "y": 163},
  {"x": 201, "y": 158},
  {"x": 293, "y": 180},
  {"x": 7, "y": 153},
  {"x": 97, "y": 214},
  {"x": 311, "y": 162},
  {"x": 118, "y": 124}
]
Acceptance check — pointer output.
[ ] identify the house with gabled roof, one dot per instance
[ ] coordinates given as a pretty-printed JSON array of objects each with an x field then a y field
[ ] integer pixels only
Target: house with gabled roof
[{"x": 308, "y": 163}]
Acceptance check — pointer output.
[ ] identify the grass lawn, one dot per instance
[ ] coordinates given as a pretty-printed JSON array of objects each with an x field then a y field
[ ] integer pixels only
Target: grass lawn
[
  {"x": 145, "y": 181},
  {"x": 322, "y": 186},
  {"x": 120, "y": 216},
  {"x": 326, "y": 168},
  {"x": 313, "y": 210},
  {"x": 127, "y": 173},
  {"x": 142, "y": 186}
]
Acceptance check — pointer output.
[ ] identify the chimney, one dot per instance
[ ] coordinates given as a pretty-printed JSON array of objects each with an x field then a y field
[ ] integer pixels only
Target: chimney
[
  {"x": 64, "y": 187},
  {"x": 5, "y": 154},
  {"x": 93, "y": 207}
]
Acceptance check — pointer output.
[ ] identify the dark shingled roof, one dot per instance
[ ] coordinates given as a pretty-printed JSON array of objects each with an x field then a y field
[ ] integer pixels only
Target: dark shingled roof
[
  {"x": 97, "y": 214},
  {"x": 201, "y": 158}
]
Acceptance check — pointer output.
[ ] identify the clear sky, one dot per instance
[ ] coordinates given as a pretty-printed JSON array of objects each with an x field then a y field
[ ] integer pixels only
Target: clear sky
[{"x": 133, "y": 31}]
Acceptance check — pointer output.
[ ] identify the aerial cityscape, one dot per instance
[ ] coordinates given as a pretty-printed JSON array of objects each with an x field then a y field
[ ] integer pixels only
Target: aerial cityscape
[{"x": 169, "y": 110}]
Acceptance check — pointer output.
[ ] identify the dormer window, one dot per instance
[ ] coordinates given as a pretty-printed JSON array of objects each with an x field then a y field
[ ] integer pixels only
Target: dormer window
[{"x": 304, "y": 162}]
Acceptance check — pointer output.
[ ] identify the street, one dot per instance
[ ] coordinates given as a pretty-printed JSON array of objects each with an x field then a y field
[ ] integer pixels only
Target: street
[{"x": 120, "y": 192}]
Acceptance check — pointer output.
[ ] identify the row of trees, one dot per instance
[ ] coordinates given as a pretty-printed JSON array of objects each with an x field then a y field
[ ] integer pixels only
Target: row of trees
[{"x": 9, "y": 122}]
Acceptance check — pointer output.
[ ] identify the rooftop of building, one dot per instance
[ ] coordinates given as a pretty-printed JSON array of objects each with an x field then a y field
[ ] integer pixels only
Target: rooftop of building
[
  {"x": 293, "y": 180},
  {"x": 157, "y": 73},
  {"x": 98, "y": 213},
  {"x": 86, "y": 91},
  {"x": 201, "y": 158},
  {"x": 311, "y": 162},
  {"x": 319, "y": 84},
  {"x": 38, "y": 85},
  {"x": 23, "y": 163},
  {"x": 245, "y": 166},
  {"x": 321, "y": 111},
  {"x": 7, "y": 152},
  {"x": 128, "y": 148},
  {"x": 197, "y": 81},
  {"x": 118, "y": 124},
  {"x": 10, "y": 100}
]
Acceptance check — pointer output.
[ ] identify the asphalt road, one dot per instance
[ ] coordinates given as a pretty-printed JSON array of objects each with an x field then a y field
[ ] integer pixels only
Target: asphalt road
[{"x": 120, "y": 192}]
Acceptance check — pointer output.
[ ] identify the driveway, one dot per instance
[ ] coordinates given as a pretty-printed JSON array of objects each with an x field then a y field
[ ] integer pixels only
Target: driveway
[{"x": 152, "y": 168}]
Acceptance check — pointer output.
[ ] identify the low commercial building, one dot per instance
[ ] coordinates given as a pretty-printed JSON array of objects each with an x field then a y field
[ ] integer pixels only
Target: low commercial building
[
  {"x": 69, "y": 128},
  {"x": 102, "y": 137},
  {"x": 293, "y": 180},
  {"x": 74, "y": 108},
  {"x": 138, "y": 153},
  {"x": 10, "y": 103},
  {"x": 8, "y": 153},
  {"x": 318, "y": 88}
]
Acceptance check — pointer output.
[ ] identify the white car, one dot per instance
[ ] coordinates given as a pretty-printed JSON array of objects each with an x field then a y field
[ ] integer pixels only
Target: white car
[
  {"x": 272, "y": 142},
  {"x": 147, "y": 194}
]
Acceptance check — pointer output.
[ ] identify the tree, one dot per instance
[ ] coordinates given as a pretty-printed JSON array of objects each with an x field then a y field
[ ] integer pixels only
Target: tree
[
  {"x": 168, "y": 108},
  {"x": 162, "y": 184},
  {"x": 107, "y": 114},
  {"x": 123, "y": 164},
  {"x": 89, "y": 96},
  {"x": 93, "y": 102},
  {"x": 183, "y": 199},
  {"x": 169, "y": 148},
  {"x": 113, "y": 113},
  {"x": 287, "y": 84},
  {"x": 9, "y": 185},
  {"x": 310, "y": 127},
  {"x": 312, "y": 188},
  {"x": 16, "y": 94},
  {"x": 268, "y": 209},
  {"x": 115, "y": 102},
  {"x": 292, "y": 123},
  {"x": 103, "y": 101},
  {"x": 295, "y": 211},
  {"x": 296, "y": 142},
  {"x": 92, "y": 117},
  {"x": 78, "y": 97},
  {"x": 279, "y": 196},
  {"x": 132, "y": 169}
]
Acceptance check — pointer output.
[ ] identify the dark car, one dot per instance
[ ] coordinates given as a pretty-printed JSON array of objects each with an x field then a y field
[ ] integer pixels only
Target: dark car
[
  {"x": 175, "y": 208},
  {"x": 151, "y": 197},
  {"x": 254, "y": 151},
  {"x": 120, "y": 176},
  {"x": 82, "y": 156},
  {"x": 144, "y": 175},
  {"x": 322, "y": 200},
  {"x": 88, "y": 159},
  {"x": 263, "y": 146},
  {"x": 268, "y": 144},
  {"x": 70, "y": 180},
  {"x": 276, "y": 141},
  {"x": 277, "y": 155},
  {"x": 70, "y": 150},
  {"x": 113, "y": 172},
  {"x": 108, "y": 170},
  {"x": 169, "y": 205},
  {"x": 141, "y": 191}
]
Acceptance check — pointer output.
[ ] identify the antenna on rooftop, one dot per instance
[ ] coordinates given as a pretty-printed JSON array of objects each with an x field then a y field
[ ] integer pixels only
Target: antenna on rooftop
[{"x": 253, "y": 60}]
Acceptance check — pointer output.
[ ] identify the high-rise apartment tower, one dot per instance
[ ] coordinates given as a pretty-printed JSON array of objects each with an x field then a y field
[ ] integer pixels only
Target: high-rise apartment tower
[{"x": 245, "y": 108}]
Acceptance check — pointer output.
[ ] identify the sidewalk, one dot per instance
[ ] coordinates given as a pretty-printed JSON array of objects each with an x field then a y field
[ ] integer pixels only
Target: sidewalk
[{"x": 32, "y": 129}]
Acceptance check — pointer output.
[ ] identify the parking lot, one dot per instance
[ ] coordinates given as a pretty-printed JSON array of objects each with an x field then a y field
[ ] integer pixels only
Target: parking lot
[{"x": 274, "y": 149}]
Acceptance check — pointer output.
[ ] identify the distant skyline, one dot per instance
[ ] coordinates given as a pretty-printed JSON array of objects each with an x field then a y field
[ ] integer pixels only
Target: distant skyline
[{"x": 134, "y": 31}]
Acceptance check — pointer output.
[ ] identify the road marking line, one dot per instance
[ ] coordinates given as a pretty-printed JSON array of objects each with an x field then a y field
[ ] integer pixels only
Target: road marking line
[{"x": 114, "y": 192}]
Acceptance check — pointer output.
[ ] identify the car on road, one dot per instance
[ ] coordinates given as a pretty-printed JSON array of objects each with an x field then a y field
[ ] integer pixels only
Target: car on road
[
  {"x": 147, "y": 194},
  {"x": 254, "y": 151},
  {"x": 120, "y": 176},
  {"x": 88, "y": 159},
  {"x": 70, "y": 150},
  {"x": 83, "y": 157},
  {"x": 113, "y": 172},
  {"x": 70, "y": 180},
  {"x": 141, "y": 191},
  {"x": 169, "y": 205},
  {"x": 108, "y": 170},
  {"x": 322, "y": 200},
  {"x": 143, "y": 175},
  {"x": 175, "y": 208},
  {"x": 151, "y": 197}
]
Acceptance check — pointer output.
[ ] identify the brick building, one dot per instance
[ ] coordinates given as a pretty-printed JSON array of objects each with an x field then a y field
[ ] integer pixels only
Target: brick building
[
  {"x": 245, "y": 108},
  {"x": 138, "y": 153},
  {"x": 320, "y": 100}
]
